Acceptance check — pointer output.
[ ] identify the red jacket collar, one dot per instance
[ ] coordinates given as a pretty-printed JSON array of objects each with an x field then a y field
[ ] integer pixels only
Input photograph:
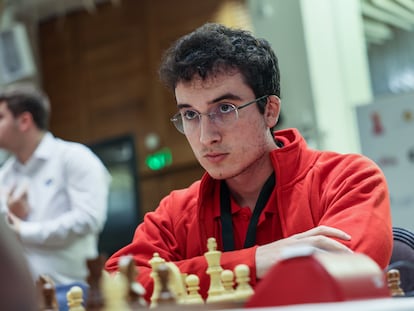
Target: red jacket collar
[{"x": 289, "y": 164}]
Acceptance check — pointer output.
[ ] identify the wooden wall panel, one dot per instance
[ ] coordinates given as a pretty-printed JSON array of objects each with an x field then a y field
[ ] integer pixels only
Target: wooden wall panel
[
  {"x": 100, "y": 71},
  {"x": 175, "y": 179}
]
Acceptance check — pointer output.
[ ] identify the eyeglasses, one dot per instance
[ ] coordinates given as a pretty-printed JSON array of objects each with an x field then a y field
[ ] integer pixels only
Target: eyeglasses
[{"x": 222, "y": 115}]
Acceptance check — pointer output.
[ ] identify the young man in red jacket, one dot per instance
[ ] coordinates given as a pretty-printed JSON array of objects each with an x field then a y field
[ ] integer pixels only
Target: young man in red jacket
[{"x": 262, "y": 191}]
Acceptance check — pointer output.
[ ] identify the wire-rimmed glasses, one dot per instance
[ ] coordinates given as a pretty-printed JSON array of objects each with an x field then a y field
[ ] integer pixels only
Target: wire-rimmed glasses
[{"x": 222, "y": 115}]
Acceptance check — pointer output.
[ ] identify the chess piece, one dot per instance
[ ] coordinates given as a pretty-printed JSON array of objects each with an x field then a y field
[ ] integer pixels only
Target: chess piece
[
  {"x": 227, "y": 278},
  {"x": 155, "y": 261},
  {"x": 193, "y": 286},
  {"x": 115, "y": 291},
  {"x": 176, "y": 282},
  {"x": 75, "y": 299},
  {"x": 393, "y": 279},
  {"x": 243, "y": 289},
  {"x": 166, "y": 297},
  {"x": 214, "y": 269},
  {"x": 47, "y": 293},
  {"x": 136, "y": 291},
  {"x": 95, "y": 299}
]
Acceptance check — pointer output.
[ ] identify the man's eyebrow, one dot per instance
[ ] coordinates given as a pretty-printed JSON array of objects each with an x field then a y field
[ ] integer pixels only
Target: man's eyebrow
[
  {"x": 180, "y": 106},
  {"x": 227, "y": 96}
]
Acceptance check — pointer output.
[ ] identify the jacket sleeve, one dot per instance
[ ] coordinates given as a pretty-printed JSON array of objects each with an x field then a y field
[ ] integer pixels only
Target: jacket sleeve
[
  {"x": 167, "y": 232},
  {"x": 354, "y": 198}
]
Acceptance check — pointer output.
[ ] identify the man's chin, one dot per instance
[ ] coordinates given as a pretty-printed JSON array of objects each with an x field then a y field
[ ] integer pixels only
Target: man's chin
[{"x": 219, "y": 175}]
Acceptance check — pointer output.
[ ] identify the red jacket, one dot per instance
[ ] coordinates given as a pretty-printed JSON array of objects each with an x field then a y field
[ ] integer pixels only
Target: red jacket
[{"x": 313, "y": 188}]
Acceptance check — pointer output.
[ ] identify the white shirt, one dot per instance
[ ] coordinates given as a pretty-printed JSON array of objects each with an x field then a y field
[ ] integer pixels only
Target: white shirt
[{"x": 68, "y": 189}]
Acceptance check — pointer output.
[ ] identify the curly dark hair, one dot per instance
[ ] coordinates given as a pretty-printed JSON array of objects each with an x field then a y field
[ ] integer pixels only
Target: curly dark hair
[{"x": 214, "y": 48}]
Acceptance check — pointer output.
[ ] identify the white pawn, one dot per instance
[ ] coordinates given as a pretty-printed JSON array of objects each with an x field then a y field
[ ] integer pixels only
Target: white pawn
[
  {"x": 75, "y": 299},
  {"x": 193, "y": 286},
  {"x": 227, "y": 278},
  {"x": 243, "y": 289}
]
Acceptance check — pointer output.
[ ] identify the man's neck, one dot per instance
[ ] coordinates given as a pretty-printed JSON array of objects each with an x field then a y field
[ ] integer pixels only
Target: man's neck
[
  {"x": 29, "y": 146},
  {"x": 245, "y": 188}
]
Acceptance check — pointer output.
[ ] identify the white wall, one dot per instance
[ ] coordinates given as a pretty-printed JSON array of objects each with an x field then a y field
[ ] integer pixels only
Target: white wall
[{"x": 324, "y": 66}]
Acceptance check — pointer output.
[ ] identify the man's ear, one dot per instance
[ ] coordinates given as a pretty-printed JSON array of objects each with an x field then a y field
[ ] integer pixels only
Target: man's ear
[
  {"x": 25, "y": 121},
  {"x": 272, "y": 110}
]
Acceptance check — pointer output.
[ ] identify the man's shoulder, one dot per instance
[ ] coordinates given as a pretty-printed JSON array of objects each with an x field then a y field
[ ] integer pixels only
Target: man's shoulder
[
  {"x": 179, "y": 205},
  {"x": 345, "y": 165},
  {"x": 7, "y": 167},
  {"x": 71, "y": 149},
  {"x": 186, "y": 194},
  {"x": 351, "y": 158},
  {"x": 182, "y": 199},
  {"x": 70, "y": 145},
  {"x": 76, "y": 157}
]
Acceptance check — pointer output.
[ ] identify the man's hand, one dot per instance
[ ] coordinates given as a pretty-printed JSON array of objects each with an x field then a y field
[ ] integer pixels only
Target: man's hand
[
  {"x": 14, "y": 223},
  {"x": 320, "y": 238},
  {"x": 18, "y": 205}
]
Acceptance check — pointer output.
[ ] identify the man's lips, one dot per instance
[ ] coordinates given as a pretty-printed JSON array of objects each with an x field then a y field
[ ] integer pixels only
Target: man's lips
[{"x": 215, "y": 157}]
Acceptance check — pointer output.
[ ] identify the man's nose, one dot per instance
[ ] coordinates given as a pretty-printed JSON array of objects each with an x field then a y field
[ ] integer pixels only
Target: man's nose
[{"x": 208, "y": 130}]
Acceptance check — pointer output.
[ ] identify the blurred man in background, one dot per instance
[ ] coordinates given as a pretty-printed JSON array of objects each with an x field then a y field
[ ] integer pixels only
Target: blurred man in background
[{"x": 54, "y": 193}]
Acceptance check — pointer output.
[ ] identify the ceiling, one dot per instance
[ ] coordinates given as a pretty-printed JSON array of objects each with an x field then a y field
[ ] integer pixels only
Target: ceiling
[
  {"x": 40, "y": 9},
  {"x": 381, "y": 17}
]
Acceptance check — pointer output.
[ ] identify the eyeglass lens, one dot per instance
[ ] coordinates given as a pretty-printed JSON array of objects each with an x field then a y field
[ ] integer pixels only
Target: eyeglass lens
[
  {"x": 217, "y": 116},
  {"x": 222, "y": 115}
]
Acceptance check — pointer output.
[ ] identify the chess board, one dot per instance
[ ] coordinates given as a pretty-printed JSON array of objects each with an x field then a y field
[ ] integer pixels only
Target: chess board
[{"x": 347, "y": 282}]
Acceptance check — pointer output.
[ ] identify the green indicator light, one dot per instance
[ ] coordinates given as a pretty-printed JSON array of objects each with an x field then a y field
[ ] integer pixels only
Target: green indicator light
[{"x": 160, "y": 159}]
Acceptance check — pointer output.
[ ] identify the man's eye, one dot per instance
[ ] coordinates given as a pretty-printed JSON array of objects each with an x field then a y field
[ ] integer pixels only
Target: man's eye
[
  {"x": 190, "y": 115},
  {"x": 226, "y": 108}
]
